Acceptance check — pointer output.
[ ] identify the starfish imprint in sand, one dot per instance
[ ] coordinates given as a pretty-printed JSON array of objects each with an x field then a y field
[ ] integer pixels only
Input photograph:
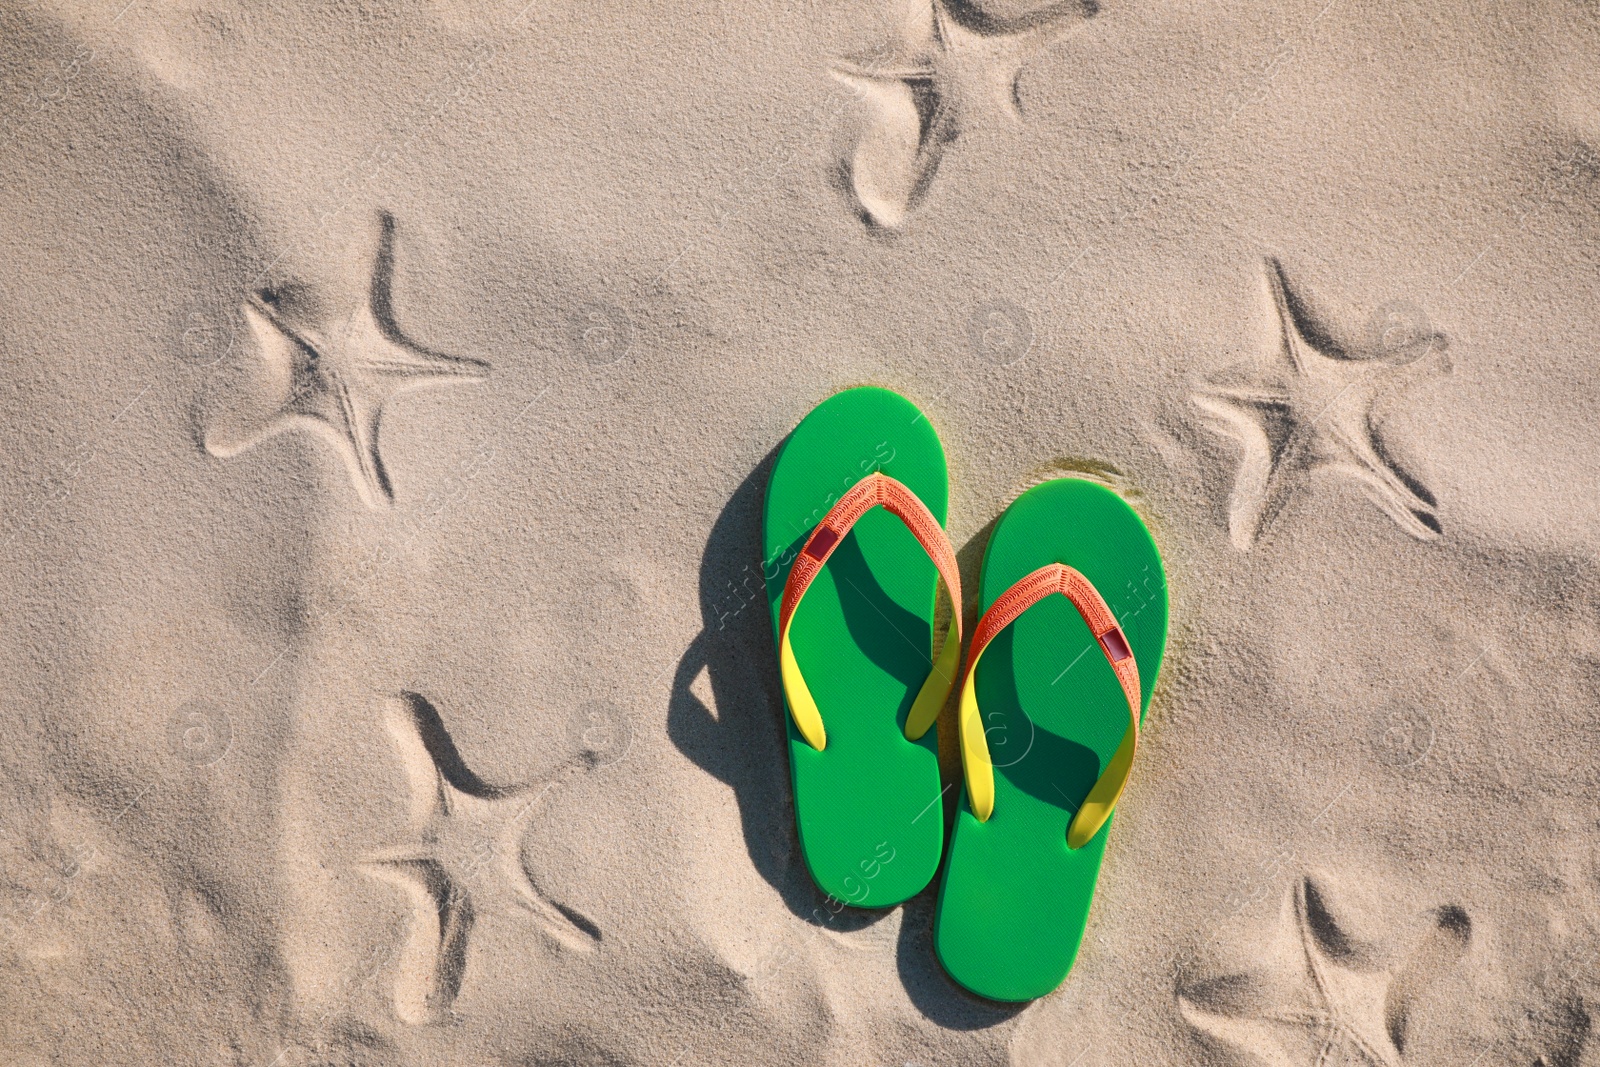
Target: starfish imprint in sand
[
  {"x": 1343, "y": 1010},
  {"x": 336, "y": 377},
  {"x": 465, "y": 862},
  {"x": 1313, "y": 407},
  {"x": 957, "y": 66}
]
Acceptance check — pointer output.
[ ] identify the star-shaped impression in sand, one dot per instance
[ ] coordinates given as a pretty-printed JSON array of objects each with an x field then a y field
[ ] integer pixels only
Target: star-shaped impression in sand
[
  {"x": 465, "y": 862},
  {"x": 955, "y": 66},
  {"x": 336, "y": 376},
  {"x": 1311, "y": 409},
  {"x": 1344, "y": 1011}
]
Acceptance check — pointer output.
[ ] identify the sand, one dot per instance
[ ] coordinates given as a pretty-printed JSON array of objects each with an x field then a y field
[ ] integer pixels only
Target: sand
[{"x": 390, "y": 392}]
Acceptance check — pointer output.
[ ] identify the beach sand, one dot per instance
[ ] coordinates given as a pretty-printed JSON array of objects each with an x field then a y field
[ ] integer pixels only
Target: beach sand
[{"x": 390, "y": 392}]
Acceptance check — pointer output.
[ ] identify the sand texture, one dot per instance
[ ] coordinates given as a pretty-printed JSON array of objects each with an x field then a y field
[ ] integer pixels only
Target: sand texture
[{"x": 389, "y": 393}]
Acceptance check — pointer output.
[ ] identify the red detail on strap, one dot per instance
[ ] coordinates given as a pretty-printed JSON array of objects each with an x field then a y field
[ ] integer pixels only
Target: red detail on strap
[
  {"x": 875, "y": 490},
  {"x": 821, "y": 543},
  {"x": 1116, "y": 645},
  {"x": 1058, "y": 578}
]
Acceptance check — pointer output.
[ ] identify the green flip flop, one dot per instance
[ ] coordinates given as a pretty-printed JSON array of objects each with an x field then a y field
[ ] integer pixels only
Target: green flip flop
[
  {"x": 1052, "y": 700},
  {"x": 854, "y": 526}
]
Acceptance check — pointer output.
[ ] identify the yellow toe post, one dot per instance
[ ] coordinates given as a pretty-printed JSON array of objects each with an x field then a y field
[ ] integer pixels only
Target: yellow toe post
[
  {"x": 1105, "y": 793},
  {"x": 807, "y": 719},
  {"x": 975, "y": 762},
  {"x": 936, "y": 688}
]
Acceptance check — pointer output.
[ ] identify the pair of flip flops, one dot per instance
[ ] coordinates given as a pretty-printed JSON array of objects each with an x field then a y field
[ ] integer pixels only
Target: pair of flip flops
[{"x": 1052, "y": 697}]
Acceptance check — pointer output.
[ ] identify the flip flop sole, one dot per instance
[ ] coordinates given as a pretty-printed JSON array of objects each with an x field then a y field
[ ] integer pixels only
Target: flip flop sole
[
  {"x": 1015, "y": 899},
  {"x": 870, "y": 828}
]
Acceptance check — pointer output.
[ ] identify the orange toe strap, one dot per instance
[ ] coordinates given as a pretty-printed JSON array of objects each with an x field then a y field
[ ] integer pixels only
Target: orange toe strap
[
  {"x": 1054, "y": 578},
  {"x": 875, "y": 490}
]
